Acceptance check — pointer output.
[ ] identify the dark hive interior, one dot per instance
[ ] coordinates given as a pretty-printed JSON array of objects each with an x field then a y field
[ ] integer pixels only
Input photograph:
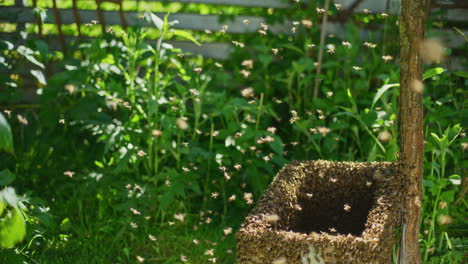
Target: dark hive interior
[
  {"x": 333, "y": 212},
  {"x": 336, "y": 202}
]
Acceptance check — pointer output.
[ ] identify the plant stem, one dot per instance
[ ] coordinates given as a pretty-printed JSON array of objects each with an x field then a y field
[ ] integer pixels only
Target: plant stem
[
  {"x": 260, "y": 108},
  {"x": 178, "y": 149},
  {"x": 207, "y": 180},
  {"x": 322, "y": 42},
  {"x": 197, "y": 109}
]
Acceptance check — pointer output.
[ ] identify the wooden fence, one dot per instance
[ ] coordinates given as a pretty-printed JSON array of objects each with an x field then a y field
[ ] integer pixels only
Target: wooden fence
[{"x": 19, "y": 13}]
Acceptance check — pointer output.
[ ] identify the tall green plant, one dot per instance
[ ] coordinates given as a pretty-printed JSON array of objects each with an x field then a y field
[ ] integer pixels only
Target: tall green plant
[
  {"x": 12, "y": 223},
  {"x": 440, "y": 193}
]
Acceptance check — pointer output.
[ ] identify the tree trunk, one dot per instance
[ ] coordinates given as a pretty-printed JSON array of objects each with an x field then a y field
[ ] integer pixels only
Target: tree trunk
[{"x": 412, "y": 22}]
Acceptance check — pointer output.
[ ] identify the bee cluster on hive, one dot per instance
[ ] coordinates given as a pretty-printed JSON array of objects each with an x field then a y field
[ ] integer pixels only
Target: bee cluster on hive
[{"x": 325, "y": 212}]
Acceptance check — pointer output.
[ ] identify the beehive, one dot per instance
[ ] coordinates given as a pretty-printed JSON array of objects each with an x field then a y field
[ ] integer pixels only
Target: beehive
[{"x": 325, "y": 212}]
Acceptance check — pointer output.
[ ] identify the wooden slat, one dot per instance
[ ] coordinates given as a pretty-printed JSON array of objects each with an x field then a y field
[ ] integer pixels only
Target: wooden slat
[
  {"x": 380, "y": 6},
  {"x": 450, "y": 37},
  {"x": 221, "y": 50},
  {"x": 186, "y": 21},
  {"x": 215, "y": 50},
  {"x": 375, "y": 6},
  {"x": 455, "y": 14},
  {"x": 197, "y": 22},
  {"x": 247, "y": 3}
]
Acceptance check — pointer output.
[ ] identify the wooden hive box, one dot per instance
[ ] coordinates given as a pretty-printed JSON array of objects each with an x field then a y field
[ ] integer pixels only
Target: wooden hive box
[{"x": 325, "y": 212}]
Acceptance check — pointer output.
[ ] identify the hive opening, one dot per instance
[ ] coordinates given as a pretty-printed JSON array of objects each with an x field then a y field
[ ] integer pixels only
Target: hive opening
[
  {"x": 331, "y": 199},
  {"x": 334, "y": 204}
]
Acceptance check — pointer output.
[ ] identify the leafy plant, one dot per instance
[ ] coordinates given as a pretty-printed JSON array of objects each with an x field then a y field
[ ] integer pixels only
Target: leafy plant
[
  {"x": 12, "y": 224},
  {"x": 440, "y": 193}
]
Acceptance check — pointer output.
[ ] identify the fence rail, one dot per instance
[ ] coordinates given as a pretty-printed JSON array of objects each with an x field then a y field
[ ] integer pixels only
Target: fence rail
[{"x": 21, "y": 14}]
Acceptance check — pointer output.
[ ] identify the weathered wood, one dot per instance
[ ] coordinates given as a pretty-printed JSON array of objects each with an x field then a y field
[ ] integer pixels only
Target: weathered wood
[
  {"x": 77, "y": 18},
  {"x": 186, "y": 21},
  {"x": 375, "y": 6},
  {"x": 190, "y": 21},
  {"x": 454, "y": 12},
  {"x": 20, "y": 3},
  {"x": 214, "y": 50},
  {"x": 249, "y": 3},
  {"x": 412, "y": 23},
  {"x": 58, "y": 21}
]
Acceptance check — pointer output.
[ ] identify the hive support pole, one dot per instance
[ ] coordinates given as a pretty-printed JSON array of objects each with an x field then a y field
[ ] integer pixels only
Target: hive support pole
[{"x": 411, "y": 22}]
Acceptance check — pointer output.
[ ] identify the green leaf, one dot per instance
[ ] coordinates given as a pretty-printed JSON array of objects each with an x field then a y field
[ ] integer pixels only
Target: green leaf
[
  {"x": 6, "y": 138},
  {"x": 39, "y": 76},
  {"x": 351, "y": 99},
  {"x": 66, "y": 225},
  {"x": 461, "y": 74},
  {"x": 427, "y": 183},
  {"x": 126, "y": 252},
  {"x": 435, "y": 136},
  {"x": 6, "y": 177},
  {"x": 277, "y": 145},
  {"x": 453, "y": 132},
  {"x": 455, "y": 179},
  {"x": 167, "y": 198},
  {"x": 348, "y": 111},
  {"x": 293, "y": 48},
  {"x": 12, "y": 224},
  {"x": 155, "y": 19},
  {"x": 186, "y": 35},
  {"x": 461, "y": 33},
  {"x": 12, "y": 228},
  {"x": 381, "y": 91},
  {"x": 369, "y": 118},
  {"x": 448, "y": 196},
  {"x": 28, "y": 54},
  {"x": 432, "y": 72},
  {"x": 99, "y": 164},
  {"x": 6, "y": 45}
]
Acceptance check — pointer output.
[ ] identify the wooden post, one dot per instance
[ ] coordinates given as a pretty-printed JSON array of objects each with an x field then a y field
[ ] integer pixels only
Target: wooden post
[
  {"x": 123, "y": 21},
  {"x": 58, "y": 22},
  {"x": 20, "y": 26},
  {"x": 412, "y": 22},
  {"x": 76, "y": 14},
  {"x": 38, "y": 21}
]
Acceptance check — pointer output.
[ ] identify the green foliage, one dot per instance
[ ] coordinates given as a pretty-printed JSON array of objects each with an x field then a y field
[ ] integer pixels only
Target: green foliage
[
  {"x": 6, "y": 138},
  {"x": 432, "y": 72},
  {"x": 438, "y": 201},
  {"x": 6, "y": 177},
  {"x": 12, "y": 224},
  {"x": 138, "y": 149}
]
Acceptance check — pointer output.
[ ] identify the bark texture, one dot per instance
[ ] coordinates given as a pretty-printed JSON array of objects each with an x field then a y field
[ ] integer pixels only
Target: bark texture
[{"x": 412, "y": 23}]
